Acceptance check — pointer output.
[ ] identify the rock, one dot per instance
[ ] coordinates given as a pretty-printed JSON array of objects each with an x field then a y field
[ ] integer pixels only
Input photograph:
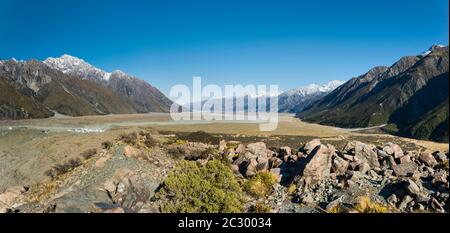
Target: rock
[
  {"x": 277, "y": 173},
  {"x": 405, "y": 159},
  {"x": 222, "y": 146},
  {"x": 405, "y": 201},
  {"x": 127, "y": 190},
  {"x": 307, "y": 198},
  {"x": 319, "y": 165},
  {"x": 256, "y": 158},
  {"x": 348, "y": 157},
  {"x": 334, "y": 204},
  {"x": 9, "y": 197},
  {"x": 439, "y": 178},
  {"x": 381, "y": 153},
  {"x": 393, "y": 149},
  {"x": 440, "y": 156},
  {"x": 131, "y": 152},
  {"x": 365, "y": 154},
  {"x": 428, "y": 159},
  {"x": 240, "y": 149},
  {"x": 437, "y": 206},
  {"x": 100, "y": 163},
  {"x": 275, "y": 162},
  {"x": 412, "y": 188},
  {"x": 285, "y": 150},
  {"x": 392, "y": 199},
  {"x": 404, "y": 169},
  {"x": 259, "y": 149},
  {"x": 311, "y": 145},
  {"x": 339, "y": 165},
  {"x": 117, "y": 210}
]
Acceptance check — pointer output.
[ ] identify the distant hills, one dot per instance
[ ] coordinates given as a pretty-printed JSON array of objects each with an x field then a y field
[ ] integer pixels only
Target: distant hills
[
  {"x": 411, "y": 96},
  {"x": 70, "y": 86}
]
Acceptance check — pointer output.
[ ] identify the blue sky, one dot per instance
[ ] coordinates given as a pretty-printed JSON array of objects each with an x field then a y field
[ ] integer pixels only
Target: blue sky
[{"x": 290, "y": 43}]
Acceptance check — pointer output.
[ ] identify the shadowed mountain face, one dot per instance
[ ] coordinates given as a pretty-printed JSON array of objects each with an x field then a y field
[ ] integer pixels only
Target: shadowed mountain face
[
  {"x": 411, "y": 96},
  {"x": 34, "y": 89}
]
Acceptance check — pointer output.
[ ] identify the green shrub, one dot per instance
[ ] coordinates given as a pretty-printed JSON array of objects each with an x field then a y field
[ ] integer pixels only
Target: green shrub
[
  {"x": 192, "y": 188},
  {"x": 261, "y": 184}
]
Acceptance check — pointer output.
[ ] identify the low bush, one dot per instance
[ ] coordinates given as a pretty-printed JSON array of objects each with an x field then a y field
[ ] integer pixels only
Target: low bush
[
  {"x": 60, "y": 169},
  {"x": 260, "y": 207},
  {"x": 130, "y": 139},
  {"x": 261, "y": 184},
  {"x": 193, "y": 188},
  {"x": 89, "y": 153},
  {"x": 107, "y": 144}
]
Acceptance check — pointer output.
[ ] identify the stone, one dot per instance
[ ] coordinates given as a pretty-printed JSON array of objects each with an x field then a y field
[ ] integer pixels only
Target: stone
[
  {"x": 404, "y": 169},
  {"x": 428, "y": 159},
  {"x": 9, "y": 197},
  {"x": 275, "y": 162},
  {"x": 439, "y": 178},
  {"x": 256, "y": 158},
  {"x": 339, "y": 165},
  {"x": 311, "y": 145},
  {"x": 392, "y": 199},
  {"x": 405, "y": 159},
  {"x": 393, "y": 149},
  {"x": 412, "y": 188},
  {"x": 348, "y": 157},
  {"x": 319, "y": 166},
  {"x": 117, "y": 210},
  {"x": 405, "y": 201},
  {"x": 222, "y": 146},
  {"x": 440, "y": 156},
  {"x": 277, "y": 173},
  {"x": 365, "y": 154},
  {"x": 285, "y": 150},
  {"x": 131, "y": 152}
]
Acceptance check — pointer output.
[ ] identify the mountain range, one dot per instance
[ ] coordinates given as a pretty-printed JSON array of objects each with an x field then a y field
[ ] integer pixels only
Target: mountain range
[
  {"x": 291, "y": 101},
  {"x": 70, "y": 86},
  {"x": 410, "y": 97}
]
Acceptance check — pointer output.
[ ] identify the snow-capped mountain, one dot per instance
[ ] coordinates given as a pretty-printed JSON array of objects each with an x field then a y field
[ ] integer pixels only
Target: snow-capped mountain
[
  {"x": 315, "y": 88},
  {"x": 292, "y": 101},
  {"x": 297, "y": 99},
  {"x": 144, "y": 96},
  {"x": 431, "y": 49},
  {"x": 76, "y": 66}
]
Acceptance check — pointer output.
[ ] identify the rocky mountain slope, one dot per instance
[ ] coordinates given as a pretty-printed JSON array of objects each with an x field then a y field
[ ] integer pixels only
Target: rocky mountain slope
[
  {"x": 34, "y": 89},
  {"x": 411, "y": 96}
]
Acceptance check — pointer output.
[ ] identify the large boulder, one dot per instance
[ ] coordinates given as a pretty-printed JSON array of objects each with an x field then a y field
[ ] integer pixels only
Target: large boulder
[
  {"x": 255, "y": 159},
  {"x": 428, "y": 159},
  {"x": 339, "y": 165},
  {"x": 364, "y": 155},
  {"x": 393, "y": 149},
  {"x": 311, "y": 145},
  {"x": 319, "y": 165}
]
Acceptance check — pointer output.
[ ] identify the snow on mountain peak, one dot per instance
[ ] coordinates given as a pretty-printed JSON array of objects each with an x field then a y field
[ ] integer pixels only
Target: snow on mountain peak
[
  {"x": 315, "y": 88},
  {"x": 72, "y": 65}
]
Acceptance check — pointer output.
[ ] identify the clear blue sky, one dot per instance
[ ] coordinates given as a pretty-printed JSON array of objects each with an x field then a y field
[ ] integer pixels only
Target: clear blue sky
[{"x": 290, "y": 43}]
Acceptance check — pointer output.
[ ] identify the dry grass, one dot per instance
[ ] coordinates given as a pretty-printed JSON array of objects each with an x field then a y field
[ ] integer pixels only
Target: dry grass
[{"x": 366, "y": 205}]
